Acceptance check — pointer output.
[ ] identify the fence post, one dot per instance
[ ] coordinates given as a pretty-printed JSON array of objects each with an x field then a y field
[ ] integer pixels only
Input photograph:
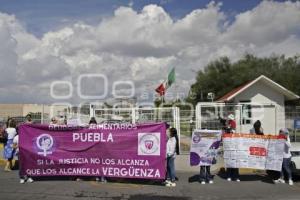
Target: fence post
[
  {"x": 133, "y": 119},
  {"x": 92, "y": 111},
  {"x": 198, "y": 116}
]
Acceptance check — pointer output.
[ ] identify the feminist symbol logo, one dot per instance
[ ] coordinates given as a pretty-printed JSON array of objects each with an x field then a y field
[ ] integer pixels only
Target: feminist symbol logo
[
  {"x": 45, "y": 143},
  {"x": 149, "y": 144},
  {"x": 196, "y": 139}
]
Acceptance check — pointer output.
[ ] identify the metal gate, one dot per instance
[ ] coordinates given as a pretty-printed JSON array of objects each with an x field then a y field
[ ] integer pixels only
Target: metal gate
[
  {"x": 208, "y": 116},
  {"x": 169, "y": 115}
]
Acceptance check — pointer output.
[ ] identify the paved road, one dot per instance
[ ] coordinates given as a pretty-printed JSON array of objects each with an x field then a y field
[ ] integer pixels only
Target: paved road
[{"x": 252, "y": 187}]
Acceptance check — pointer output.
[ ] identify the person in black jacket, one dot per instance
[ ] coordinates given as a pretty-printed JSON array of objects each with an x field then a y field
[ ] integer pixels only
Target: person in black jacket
[{"x": 257, "y": 129}]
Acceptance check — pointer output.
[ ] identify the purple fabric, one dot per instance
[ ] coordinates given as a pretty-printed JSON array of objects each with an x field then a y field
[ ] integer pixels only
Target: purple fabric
[{"x": 116, "y": 150}]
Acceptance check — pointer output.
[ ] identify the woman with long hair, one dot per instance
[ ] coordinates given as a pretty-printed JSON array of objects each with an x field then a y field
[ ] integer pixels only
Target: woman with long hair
[
  {"x": 172, "y": 150},
  {"x": 257, "y": 129}
]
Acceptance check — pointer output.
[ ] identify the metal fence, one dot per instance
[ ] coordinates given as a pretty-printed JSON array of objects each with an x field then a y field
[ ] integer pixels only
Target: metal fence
[
  {"x": 291, "y": 115},
  {"x": 185, "y": 120}
]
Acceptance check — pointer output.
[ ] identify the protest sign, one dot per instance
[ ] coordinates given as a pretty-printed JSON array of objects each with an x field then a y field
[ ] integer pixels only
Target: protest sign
[
  {"x": 110, "y": 150},
  {"x": 253, "y": 151},
  {"x": 204, "y": 147}
]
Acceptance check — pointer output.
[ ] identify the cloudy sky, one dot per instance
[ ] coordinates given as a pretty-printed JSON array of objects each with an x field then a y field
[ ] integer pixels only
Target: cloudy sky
[{"x": 75, "y": 50}]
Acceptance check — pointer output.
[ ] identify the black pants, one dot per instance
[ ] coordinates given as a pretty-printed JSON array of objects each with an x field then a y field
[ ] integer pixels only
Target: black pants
[
  {"x": 205, "y": 173},
  {"x": 233, "y": 173}
]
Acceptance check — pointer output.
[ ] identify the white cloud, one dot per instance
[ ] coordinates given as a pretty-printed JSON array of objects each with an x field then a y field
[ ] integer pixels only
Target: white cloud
[
  {"x": 8, "y": 56},
  {"x": 268, "y": 22},
  {"x": 139, "y": 46}
]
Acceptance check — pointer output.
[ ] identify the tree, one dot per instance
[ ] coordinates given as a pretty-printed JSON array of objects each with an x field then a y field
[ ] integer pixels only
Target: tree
[{"x": 221, "y": 76}]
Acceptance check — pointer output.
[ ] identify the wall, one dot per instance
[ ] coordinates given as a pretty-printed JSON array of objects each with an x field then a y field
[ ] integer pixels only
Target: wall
[
  {"x": 10, "y": 110},
  {"x": 272, "y": 113}
]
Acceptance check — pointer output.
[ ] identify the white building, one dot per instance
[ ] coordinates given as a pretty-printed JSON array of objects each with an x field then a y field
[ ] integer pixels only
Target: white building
[{"x": 261, "y": 99}]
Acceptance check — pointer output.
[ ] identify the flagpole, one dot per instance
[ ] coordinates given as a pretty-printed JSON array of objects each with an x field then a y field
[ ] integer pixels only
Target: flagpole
[{"x": 163, "y": 98}]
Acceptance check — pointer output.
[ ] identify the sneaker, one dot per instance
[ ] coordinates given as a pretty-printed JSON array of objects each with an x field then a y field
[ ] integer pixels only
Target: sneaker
[
  {"x": 291, "y": 182},
  {"x": 78, "y": 179},
  {"x": 97, "y": 179},
  {"x": 276, "y": 181},
  {"x": 29, "y": 180},
  {"x": 7, "y": 169},
  {"x": 22, "y": 181},
  {"x": 228, "y": 179},
  {"x": 238, "y": 180},
  {"x": 203, "y": 182},
  {"x": 103, "y": 180},
  {"x": 211, "y": 182},
  {"x": 280, "y": 180},
  {"x": 171, "y": 184}
]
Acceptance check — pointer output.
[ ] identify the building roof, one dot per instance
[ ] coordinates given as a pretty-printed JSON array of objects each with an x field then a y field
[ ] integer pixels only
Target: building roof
[{"x": 233, "y": 93}]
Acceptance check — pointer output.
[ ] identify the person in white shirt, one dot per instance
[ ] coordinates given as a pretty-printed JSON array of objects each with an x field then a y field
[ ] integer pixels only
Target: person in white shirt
[
  {"x": 8, "y": 149},
  {"x": 172, "y": 150},
  {"x": 16, "y": 147},
  {"x": 286, "y": 159}
]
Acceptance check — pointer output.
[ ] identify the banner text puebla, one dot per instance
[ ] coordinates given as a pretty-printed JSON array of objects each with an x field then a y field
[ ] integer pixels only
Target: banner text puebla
[{"x": 109, "y": 150}]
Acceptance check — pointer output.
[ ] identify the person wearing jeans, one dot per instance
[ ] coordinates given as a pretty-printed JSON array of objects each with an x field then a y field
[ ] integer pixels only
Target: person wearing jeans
[
  {"x": 286, "y": 159},
  {"x": 205, "y": 175},
  {"x": 171, "y": 169},
  {"x": 172, "y": 150},
  {"x": 232, "y": 173}
]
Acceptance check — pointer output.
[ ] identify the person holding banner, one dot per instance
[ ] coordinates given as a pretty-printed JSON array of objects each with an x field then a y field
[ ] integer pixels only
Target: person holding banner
[
  {"x": 93, "y": 121},
  {"x": 205, "y": 175},
  {"x": 28, "y": 119},
  {"x": 172, "y": 150},
  {"x": 286, "y": 159},
  {"x": 257, "y": 129},
  {"x": 231, "y": 124},
  {"x": 53, "y": 120},
  {"x": 204, "y": 150},
  {"x": 8, "y": 149},
  {"x": 232, "y": 173},
  {"x": 16, "y": 147}
]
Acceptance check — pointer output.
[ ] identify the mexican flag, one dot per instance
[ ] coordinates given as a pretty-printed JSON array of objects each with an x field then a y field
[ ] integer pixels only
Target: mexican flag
[{"x": 162, "y": 88}]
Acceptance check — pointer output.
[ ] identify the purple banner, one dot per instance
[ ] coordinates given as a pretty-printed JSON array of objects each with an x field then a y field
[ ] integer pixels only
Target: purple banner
[{"x": 109, "y": 150}]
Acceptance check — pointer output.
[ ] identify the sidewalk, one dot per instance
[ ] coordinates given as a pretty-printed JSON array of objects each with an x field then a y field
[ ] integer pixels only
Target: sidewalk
[{"x": 182, "y": 163}]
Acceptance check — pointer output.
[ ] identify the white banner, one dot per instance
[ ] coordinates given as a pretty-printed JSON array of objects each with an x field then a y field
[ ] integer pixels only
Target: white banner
[{"x": 253, "y": 151}]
